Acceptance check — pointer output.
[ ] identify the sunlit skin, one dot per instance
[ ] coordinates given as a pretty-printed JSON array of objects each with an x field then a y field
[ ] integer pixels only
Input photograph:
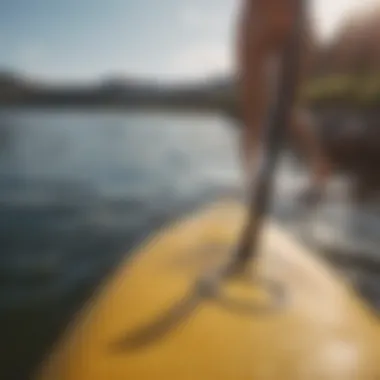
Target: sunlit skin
[{"x": 263, "y": 29}]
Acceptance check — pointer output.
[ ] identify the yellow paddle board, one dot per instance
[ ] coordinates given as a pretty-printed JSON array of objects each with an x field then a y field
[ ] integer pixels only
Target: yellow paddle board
[{"x": 294, "y": 319}]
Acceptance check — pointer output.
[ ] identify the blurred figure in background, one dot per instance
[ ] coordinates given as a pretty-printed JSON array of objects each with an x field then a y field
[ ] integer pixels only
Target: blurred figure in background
[{"x": 264, "y": 27}]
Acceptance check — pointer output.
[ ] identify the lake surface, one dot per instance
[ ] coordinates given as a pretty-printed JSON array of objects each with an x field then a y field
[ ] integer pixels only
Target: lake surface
[{"x": 78, "y": 191}]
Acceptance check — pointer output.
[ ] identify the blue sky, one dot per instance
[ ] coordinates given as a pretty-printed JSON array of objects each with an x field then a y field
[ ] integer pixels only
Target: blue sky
[{"x": 166, "y": 39}]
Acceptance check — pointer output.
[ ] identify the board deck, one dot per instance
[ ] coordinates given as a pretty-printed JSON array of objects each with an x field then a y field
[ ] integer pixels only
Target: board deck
[{"x": 146, "y": 322}]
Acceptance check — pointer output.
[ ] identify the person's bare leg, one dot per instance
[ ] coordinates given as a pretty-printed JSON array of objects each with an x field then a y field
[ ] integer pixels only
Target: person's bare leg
[
  {"x": 252, "y": 86},
  {"x": 263, "y": 30}
]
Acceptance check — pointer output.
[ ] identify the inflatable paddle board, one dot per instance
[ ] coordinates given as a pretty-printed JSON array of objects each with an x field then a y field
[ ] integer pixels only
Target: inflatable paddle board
[{"x": 294, "y": 319}]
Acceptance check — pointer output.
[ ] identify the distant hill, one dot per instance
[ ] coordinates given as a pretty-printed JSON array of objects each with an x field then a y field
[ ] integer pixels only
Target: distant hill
[{"x": 118, "y": 91}]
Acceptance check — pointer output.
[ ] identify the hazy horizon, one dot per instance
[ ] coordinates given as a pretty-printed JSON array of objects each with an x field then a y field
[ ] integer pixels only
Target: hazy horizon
[{"x": 172, "y": 41}]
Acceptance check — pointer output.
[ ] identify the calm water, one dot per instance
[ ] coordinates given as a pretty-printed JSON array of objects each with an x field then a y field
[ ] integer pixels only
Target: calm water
[{"x": 78, "y": 191}]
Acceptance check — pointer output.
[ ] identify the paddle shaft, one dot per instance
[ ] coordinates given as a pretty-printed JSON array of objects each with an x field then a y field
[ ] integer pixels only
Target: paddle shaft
[{"x": 273, "y": 135}]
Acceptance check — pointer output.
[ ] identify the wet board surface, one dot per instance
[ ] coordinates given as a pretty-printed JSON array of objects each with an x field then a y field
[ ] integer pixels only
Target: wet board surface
[{"x": 147, "y": 322}]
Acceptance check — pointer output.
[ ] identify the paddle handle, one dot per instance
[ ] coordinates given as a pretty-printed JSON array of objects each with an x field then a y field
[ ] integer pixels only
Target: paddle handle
[{"x": 273, "y": 135}]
